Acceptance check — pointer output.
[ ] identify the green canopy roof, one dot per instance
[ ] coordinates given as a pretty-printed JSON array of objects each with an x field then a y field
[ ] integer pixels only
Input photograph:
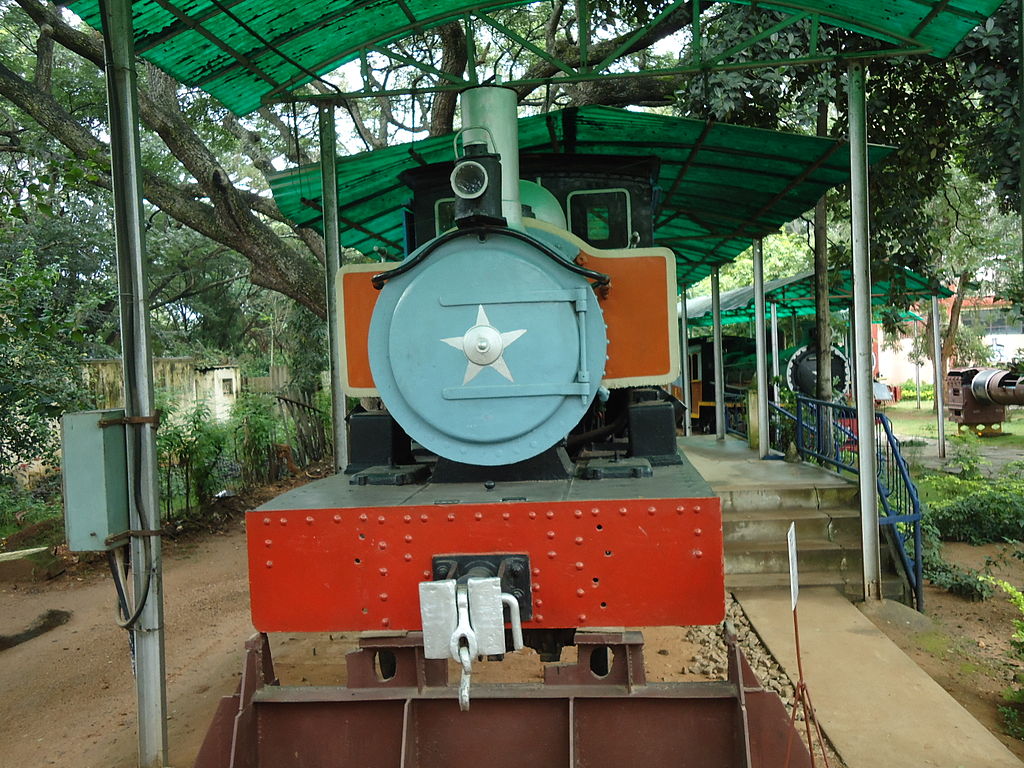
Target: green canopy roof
[
  {"x": 721, "y": 185},
  {"x": 242, "y": 51},
  {"x": 794, "y": 296}
]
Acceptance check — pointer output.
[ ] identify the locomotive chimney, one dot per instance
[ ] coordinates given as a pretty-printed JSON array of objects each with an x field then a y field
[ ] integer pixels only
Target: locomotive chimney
[{"x": 493, "y": 109}]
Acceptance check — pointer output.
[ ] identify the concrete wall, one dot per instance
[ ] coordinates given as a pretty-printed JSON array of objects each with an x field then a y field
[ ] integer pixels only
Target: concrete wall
[{"x": 186, "y": 384}]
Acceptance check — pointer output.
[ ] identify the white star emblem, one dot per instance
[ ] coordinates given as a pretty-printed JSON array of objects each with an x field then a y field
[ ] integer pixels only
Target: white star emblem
[{"x": 484, "y": 346}]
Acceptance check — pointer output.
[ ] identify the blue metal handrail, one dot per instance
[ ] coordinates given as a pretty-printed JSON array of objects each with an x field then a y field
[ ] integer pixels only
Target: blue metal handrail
[
  {"x": 828, "y": 432},
  {"x": 736, "y": 412}
]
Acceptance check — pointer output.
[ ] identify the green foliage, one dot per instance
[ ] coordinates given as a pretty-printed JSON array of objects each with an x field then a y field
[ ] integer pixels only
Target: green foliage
[
  {"x": 909, "y": 388},
  {"x": 966, "y": 454},
  {"x": 963, "y": 582},
  {"x": 785, "y": 253},
  {"x": 307, "y": 350},
  {"x": 20, "y": 508},
  {"x": 255, "y": 432},
  {"x": 1013, "y": 712},
  {"x": 1016, "y": 597},
  {"x": 976, "y": 511},
  {"x": 189, "y": 446},
  {"x": 1013, "y": 715},
  {"x": 39, "y": 365}
]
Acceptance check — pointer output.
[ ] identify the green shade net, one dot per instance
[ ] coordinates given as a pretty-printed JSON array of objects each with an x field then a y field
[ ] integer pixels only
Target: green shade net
[
  {"x": 241, "y": 51},
  {"x": 794, "y": 296},
  {"x": 722, "y": 186}
]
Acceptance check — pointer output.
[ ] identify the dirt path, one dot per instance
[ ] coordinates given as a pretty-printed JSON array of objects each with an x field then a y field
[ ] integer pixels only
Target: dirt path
[
  {"x": 67, "y": 697},
  {"x": 964, "y": 645}
]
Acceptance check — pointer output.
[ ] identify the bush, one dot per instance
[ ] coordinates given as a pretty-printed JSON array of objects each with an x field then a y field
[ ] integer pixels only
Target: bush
[
  {"x": 966, "y": 583},
  {"x": 1013, "y": 714},
  {"x": 980, "y": 511},
  {"x": 189, "y": 448},
  {"x": 967, "y": 455},
  {"x": 255, "y": 432},
  {"x": 20, "y": 509},
  {"x": 909, "y": 390}
]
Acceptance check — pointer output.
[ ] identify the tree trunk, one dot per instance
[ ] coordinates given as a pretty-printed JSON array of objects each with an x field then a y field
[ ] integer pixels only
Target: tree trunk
[
  {"x": 949, "y": 336},
  {"x": 453, "y": 61}
]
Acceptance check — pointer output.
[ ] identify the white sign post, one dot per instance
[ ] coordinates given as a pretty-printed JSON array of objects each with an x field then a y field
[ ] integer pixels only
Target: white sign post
[
  {"x": 794, "y": 578},
  {"x": 801, "y": 696}
]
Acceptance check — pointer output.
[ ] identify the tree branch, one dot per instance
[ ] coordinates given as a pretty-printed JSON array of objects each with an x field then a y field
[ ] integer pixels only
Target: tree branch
[{"x": 229, "y": 218}]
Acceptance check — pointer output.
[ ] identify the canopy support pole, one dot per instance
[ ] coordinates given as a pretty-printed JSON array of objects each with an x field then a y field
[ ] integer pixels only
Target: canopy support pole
[
  {"x": 144, "y": 506},
  {"x": 332, "y": 249},
  {"x": 940, "y": 366},
  {"x": 716, "y": 315},
  {"x": 862, "y": 335},
  {"x": 761, "y": 350},
  {"x": 775, "y": 351},
  {"x": 685, "y": 375}
]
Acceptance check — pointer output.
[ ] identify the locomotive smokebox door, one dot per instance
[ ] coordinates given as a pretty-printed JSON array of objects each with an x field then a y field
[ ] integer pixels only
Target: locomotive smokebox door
[{"x": 487, "y": 348}]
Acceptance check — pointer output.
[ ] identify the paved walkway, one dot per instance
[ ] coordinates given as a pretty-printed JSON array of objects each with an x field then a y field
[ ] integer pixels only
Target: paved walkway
[
  {"x": 876, "y": 705},
  {"x": 731, "y": 464}
]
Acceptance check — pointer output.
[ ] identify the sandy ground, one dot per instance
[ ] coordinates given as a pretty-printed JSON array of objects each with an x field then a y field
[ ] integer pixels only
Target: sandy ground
[{"x": 68, "y": 698}]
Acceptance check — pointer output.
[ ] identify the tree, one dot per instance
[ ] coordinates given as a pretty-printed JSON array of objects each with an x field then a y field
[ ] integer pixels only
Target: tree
[
  {"x": 193, "y": 182},
  {"x": 205, "y": 168},
  {"x": 41, "y": 368}
]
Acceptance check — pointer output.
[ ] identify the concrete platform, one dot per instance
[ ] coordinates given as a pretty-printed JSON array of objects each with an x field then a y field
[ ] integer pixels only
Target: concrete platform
[
  {"x": 875, "y": 704},
  {"x": 731, "y": 465}
]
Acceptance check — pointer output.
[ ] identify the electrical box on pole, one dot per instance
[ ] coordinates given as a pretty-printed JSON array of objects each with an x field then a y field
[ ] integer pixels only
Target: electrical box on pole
[{"x": 94, "y": 467}]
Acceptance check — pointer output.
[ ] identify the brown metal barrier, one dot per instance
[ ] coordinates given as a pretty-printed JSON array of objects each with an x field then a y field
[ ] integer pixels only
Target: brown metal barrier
[{"x": 575, "y": 718}]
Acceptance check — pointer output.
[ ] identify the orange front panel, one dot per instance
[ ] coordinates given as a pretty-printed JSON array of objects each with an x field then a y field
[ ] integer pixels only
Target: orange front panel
[
  {"x": 608, "y": 563},
  {"x": 356, "y": 299},
  {"x": 642, "y": 333},
  {"x": 636, "y": 311}
]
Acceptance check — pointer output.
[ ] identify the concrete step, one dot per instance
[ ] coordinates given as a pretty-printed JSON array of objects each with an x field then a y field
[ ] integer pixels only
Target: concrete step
[
  {"x": 840, "y": 524},
  {"x": 848, "y": 583},
  {"x": 788, "y": 498},
  {"x": 813, "y": 555},
  {"x": 740, "y": 581}
]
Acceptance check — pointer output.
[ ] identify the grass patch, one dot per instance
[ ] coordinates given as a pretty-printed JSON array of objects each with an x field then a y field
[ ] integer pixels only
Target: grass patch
[
  {"x": 910, "y": 422},
  {"x": 21, "y": 510},
  {"x": 936, "y": 643}
]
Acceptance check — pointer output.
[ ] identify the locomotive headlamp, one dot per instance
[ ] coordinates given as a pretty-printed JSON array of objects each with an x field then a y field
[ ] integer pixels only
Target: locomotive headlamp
[
  {"x": 476, "y": 182},
  {"x": 469, "y": 180}
]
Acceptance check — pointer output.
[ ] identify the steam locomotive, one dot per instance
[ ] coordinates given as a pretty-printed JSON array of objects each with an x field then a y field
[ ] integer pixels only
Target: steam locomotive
[{"x": 514, "y": 480}]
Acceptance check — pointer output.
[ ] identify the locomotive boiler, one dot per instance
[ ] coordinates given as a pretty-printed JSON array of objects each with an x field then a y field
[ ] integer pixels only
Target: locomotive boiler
[{"x": 514, "y": 481}]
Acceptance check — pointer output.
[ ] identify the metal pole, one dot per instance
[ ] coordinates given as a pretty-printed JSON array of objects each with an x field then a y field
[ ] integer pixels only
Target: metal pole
[
  {"x": 917, "y": 383},
  {"x": 685, "y": 374},
  {"x": 939, "y": 374},
  {"x": 329, "y": 186},
  {"x": 716, "y": 315},
  {"x": 760, "y": 350},
  {"x": 144, "y": 509},
  {"x": 851, "y": 346},
  {"x": 775, "y": 351},
  {"x": 862, "y": 325}
]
